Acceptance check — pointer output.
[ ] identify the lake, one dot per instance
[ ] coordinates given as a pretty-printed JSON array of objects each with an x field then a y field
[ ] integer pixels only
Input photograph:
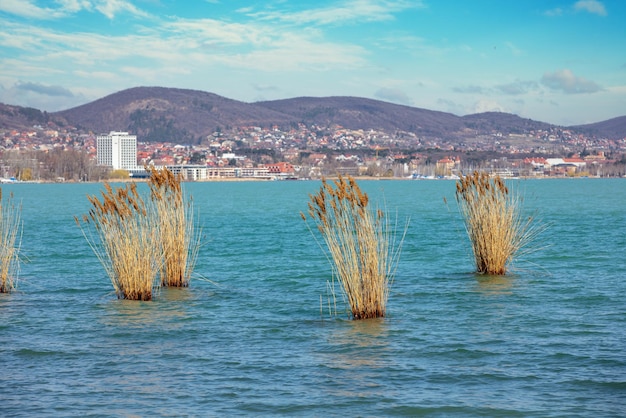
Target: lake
[{"x": 252, "y": 335}]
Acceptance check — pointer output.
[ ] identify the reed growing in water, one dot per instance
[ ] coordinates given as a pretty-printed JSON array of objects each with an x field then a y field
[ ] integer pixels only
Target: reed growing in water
[
  {"x": 497, "y": 230},
  {"x": 177, "y": 235},
  {"x": 361, "y": 246},
  {"x": 10, "y": 240},
  {"x": 127, "y": 242}
]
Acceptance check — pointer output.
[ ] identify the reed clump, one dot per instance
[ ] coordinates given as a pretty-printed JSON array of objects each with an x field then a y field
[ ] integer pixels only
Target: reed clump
[
  {"x": 177, "y": 234},
  {"x": 126, "y": 240},
  {"x": 497, "y": 229},
  {"x": 361, "y": 245},
  {"x": 10, "y": 241}
]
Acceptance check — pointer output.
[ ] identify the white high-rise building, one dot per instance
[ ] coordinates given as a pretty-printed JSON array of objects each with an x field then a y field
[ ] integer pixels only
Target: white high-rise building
[{"x": 117, "y": 150}]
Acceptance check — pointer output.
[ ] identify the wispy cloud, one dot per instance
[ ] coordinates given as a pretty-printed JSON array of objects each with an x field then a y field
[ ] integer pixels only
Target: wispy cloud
[
  {"x": 40, "y": 96},
  {"x": 74, "y": 6},
  {"x": 554, "y": 12},
  {"x": 199, "y": 44},
  {"x": 257, "y": 45},
  {"x": 567, "y": 82},
  {"x": 590, "y": 6},
  {"x": 409, "y": 44},
  {"x": 210, "y": 32},
  {"x": 517, "y": 87},
  {"x": 110, "y": 8},
  {"x": 265, "y": 87},
  {"x": 29, "y": 8},
  {"x": 514, "y": 49},
  {"x": 471, "y": 89},
  {"x": 56, "y": 91},
  {"x": 344, "y": 12},
  {"x": 484, "y": 105},
  {"x": 394, "y": 95},
  {"x": 451, "y": 106}
]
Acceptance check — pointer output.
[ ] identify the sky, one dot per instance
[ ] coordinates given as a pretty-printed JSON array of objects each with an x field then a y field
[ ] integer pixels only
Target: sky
[{"x": 556, "y": 61}]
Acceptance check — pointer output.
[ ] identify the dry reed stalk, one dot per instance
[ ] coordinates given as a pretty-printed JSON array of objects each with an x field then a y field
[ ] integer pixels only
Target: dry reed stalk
[
  {"x": 10, "y": 241},
  {"x": 127, "y": 230},
  {"x": 497, "y": 230},
  {"x": 178, "y": 238},
  {"x": 361, "y": 246}
]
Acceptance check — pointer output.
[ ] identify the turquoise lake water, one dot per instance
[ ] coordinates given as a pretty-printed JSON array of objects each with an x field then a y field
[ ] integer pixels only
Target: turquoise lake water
[{"x": 247, "y": 338}]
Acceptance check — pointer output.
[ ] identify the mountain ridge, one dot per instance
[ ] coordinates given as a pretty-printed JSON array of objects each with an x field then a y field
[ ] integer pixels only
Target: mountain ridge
[{"x": 163, "y": 114}]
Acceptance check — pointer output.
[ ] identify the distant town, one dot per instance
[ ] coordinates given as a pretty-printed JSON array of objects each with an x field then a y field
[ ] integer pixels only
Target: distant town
[{"x": 67, "y": 154}]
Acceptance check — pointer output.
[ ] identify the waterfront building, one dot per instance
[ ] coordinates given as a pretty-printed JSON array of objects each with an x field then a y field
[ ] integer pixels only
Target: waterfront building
[{"x": 117, "y": 150}]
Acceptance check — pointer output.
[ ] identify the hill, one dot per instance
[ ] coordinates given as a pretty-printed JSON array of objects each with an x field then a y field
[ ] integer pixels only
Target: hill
[
  {"x": 158, "y": 114},
  {"x": 187, "y": 116},
  {"x": 502, "y": 122},
  {"x": 17, "y": 117},
  {"x": 612, "y": 128},
  {"x": 360, "y": 113}
]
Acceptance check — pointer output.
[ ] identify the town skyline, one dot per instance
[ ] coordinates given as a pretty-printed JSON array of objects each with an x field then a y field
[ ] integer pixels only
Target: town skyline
[
  {"x": 64, "y": 152},
  {"x": 558, "y": 62}
]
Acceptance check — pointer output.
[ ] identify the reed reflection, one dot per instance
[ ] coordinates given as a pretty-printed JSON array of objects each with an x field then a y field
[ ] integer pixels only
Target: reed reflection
[
  {"x": 166, "y": 311},
  {"x": 494, "y": 285},
  {"x": 355, "y": 344}
]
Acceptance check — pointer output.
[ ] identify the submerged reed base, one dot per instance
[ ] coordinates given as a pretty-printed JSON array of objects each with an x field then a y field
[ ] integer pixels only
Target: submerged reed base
[
  {"x": 127, "y": 240},
  {"x": 361, "y": 245},
  {"x": 177, "y": 234},
  {"x": 497, "y": 230},
  {"x": 10, "y": 241}
]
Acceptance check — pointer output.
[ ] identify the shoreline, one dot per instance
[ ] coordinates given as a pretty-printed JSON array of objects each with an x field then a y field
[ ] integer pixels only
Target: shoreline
[{"x": 265, "y": 180}]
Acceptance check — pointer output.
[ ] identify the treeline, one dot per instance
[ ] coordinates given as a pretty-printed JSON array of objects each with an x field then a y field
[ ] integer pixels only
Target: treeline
[
  {"x": 73, "y": 164},
  {"x": 50, "y": 165}
]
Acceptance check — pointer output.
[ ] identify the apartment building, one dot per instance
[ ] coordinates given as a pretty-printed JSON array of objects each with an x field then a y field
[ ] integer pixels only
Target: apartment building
[{"x": 117, "y": 150}]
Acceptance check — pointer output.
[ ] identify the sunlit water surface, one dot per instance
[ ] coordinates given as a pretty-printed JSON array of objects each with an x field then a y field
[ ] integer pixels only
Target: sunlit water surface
[{"x": 249, "y": 338}]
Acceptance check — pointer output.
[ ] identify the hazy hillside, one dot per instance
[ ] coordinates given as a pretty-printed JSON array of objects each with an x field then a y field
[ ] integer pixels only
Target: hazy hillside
[
  {"x": 360, "y": 113},
  {"x": 166, "y": 114},
  {"x": 17, "y": 117},
  {"x": 187, "y": 116},
  {"x": 612, "y": 128},
  {"x": 502, "y": 122}
]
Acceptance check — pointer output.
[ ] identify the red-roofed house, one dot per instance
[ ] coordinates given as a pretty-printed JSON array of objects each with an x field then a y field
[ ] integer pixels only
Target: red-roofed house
[{"x": 280, "y": 168}]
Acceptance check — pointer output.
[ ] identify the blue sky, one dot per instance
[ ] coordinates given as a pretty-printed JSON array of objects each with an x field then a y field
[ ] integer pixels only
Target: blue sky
[{"x": 558, "y": 61}]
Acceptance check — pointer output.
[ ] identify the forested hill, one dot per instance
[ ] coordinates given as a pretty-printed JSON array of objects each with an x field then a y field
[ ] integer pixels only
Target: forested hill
[{"x": 161, "y": 114}]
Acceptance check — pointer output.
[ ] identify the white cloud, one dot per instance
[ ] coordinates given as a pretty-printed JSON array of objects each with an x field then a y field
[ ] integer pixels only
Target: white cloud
[
  {"x": 40, "y": 96},
  {"x": 196, "y": 43},
  {"x": 265, "y": 87},
  {"x": 348, "y": 11},
  {"x": 73, "y": 6},
  {"x": 554, "y": 12},
  {"x": 514, "y": 50},
  {"x": 590, "y": 6},
  {"x": 470, "y": 89},
  {"x": 451, "y": 107},
  {"x": 485, "y": 105},
  {"x": 43, "y": 89},
  {"x": 28, "y": 8},
  {"x": 394, "y": 95},
  {"x": 409, "y": 44},
  {"x": 255, "y": 46},
  {"x": 517, "y": 87},
  {"x": 99, "y": 75},
  {"x": 110, "y": 8},
  {"x": 304, "y": 54},
  {"x": 210, "y": 32},
  {"x": 567, "y": 82}
]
